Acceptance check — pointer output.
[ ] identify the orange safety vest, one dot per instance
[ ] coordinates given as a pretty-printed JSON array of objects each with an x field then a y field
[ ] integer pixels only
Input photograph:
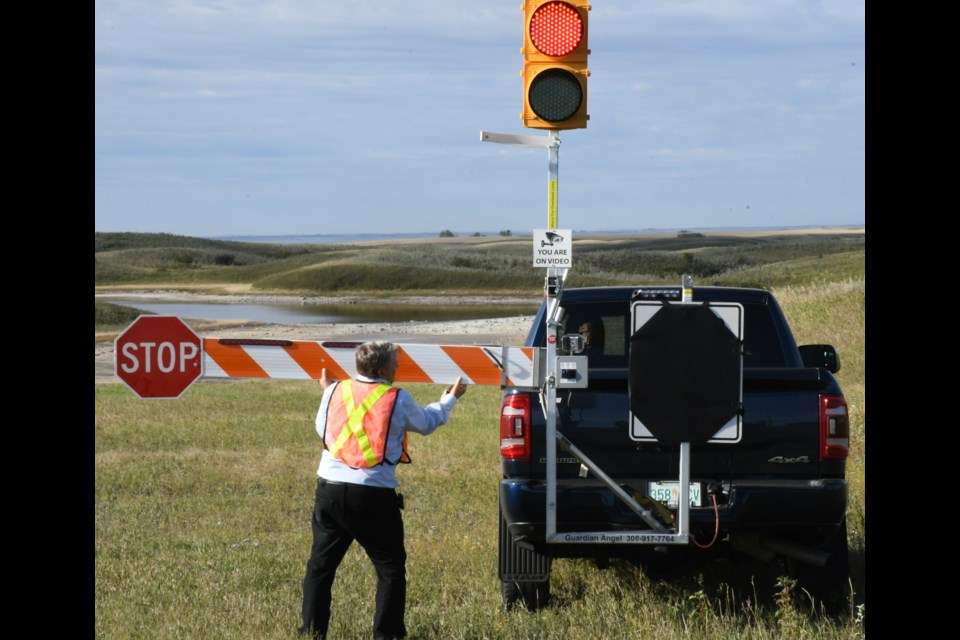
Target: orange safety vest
[{"x": 358, "y": 423}]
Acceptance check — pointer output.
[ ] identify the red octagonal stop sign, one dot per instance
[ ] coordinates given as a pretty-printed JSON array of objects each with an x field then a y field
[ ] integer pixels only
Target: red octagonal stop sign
[{"x": 158, "y": 356}]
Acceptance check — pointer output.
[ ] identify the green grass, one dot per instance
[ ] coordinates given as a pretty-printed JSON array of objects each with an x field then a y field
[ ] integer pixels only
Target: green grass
[
  {"x": 202, "y": 531},
  {"x": 113, "y": 317}
]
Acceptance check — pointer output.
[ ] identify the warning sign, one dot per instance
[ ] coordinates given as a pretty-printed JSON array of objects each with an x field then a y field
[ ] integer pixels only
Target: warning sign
[
  {"x": 158, "y": 356},
  {"x": 552, "y": 248}
]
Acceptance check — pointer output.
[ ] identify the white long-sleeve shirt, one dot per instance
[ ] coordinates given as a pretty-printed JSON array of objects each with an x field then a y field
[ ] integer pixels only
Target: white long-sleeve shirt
[{"x": 407, "y": 416}]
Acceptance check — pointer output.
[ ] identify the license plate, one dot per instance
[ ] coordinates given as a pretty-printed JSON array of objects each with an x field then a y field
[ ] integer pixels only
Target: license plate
[{"x": 669, "y": 493}]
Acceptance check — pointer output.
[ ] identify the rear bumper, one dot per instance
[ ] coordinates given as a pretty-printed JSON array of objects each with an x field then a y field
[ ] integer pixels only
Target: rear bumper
[{"x": 809, "y": 510}]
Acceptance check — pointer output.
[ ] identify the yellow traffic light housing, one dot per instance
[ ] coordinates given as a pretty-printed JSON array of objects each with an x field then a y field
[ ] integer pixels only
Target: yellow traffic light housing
[{"x": 555, "y": 64}]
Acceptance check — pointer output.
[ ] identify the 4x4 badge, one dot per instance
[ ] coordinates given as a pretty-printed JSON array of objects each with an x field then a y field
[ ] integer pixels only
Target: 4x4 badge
[{"x": 797, "y": 460}]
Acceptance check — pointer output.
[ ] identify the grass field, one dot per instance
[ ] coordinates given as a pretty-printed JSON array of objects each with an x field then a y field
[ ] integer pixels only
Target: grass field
[{"x": 202, "y": 508}]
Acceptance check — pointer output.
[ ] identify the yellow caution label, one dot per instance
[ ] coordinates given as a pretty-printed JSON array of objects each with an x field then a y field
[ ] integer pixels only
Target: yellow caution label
[{"x": 552, "y": 205}]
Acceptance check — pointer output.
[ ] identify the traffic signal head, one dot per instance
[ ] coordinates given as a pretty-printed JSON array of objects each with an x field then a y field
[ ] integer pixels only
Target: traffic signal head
[{"x": 555, "y": 64}]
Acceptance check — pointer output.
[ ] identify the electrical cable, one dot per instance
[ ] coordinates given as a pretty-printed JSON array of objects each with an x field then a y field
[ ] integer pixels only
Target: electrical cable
[{"x": 716, "y": 530}]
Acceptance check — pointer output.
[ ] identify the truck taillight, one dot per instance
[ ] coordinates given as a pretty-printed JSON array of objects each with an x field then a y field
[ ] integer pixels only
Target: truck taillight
[
  {"x": 515, "y": 427},
  {"x": 834, "y": 427}
]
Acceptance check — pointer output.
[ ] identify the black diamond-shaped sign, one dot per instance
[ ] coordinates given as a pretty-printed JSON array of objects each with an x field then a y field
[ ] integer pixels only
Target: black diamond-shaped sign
[{"x": 685, "y": 371}]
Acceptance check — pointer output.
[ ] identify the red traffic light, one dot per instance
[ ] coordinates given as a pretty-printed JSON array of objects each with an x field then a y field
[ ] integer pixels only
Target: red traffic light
[{"x": 556, "y": 29}]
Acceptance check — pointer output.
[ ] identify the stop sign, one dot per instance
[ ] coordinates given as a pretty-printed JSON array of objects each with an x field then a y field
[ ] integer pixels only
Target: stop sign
[{"x": 158, "y": 356}]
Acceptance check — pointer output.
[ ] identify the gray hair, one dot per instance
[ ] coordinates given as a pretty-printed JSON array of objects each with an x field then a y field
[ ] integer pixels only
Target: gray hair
[{"x": 373, "y": 356}]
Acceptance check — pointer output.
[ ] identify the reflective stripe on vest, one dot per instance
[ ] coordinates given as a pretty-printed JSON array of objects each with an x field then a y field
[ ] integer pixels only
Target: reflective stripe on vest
[{"x": 356, "y": 433}]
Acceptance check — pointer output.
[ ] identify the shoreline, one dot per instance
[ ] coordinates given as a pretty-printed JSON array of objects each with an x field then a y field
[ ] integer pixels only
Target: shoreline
[{"x": 243, "y": 294}]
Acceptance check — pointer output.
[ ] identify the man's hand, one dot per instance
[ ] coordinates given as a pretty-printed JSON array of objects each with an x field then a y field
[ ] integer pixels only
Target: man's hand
[
  {"x": 457, "y": 388},
  {"x": 324, "y": 380}
]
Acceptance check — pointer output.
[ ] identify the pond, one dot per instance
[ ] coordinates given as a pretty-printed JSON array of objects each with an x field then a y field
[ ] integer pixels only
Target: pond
[{"x": 287, "y": 313}]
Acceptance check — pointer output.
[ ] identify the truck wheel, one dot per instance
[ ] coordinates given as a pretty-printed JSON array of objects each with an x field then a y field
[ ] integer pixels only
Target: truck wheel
[
  {"x": 515, "y": 562},
  {"x": 510, "y": 591},
  {"x": 828, "y": 585},
  {"x": 534, "y": 595}
]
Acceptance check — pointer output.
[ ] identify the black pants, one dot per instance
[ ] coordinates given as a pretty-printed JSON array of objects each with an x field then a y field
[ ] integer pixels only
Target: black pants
[{"x": 371, "y": 516}]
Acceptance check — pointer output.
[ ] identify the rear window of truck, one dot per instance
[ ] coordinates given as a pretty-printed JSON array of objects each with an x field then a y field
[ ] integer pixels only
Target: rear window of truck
[{"x": 605, "y": 327}]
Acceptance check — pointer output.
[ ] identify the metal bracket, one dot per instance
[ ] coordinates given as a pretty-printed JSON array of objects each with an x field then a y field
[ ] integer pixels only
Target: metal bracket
[
  {"x": 657, "y": 534},
  {"x": 542, "y": 142}
]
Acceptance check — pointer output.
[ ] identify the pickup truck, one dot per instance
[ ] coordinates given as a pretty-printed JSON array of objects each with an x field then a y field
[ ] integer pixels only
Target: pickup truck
[{"x": 775, "y": 491}]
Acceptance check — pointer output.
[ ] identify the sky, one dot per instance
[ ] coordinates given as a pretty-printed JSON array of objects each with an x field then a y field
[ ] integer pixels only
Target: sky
[{"x": 219, "y": 118}]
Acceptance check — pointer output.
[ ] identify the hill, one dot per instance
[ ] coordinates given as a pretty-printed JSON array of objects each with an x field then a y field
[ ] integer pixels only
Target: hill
[{"x": 482, "y": 265}]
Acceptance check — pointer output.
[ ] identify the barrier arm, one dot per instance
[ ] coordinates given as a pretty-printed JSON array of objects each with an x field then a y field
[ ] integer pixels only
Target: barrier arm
[{"x": 305, "y": 359}]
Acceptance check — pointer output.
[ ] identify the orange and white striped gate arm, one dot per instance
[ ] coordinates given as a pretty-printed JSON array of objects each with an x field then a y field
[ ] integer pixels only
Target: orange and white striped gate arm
[{"x": 305, "y": 359}]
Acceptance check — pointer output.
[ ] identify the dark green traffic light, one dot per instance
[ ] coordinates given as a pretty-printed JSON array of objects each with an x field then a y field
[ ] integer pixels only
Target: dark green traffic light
[{"x": 555, "y": 95}]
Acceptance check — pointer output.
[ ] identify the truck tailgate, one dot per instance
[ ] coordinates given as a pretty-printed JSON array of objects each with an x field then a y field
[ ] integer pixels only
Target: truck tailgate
[{"x": 772, "y": 441}]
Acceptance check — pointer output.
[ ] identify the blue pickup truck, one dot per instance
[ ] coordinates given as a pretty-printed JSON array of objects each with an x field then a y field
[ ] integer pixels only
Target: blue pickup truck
[{"x": 772, "y": 487}]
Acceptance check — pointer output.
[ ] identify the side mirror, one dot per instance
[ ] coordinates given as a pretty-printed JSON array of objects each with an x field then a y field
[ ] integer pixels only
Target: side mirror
[{"x": 820, "y": 356}]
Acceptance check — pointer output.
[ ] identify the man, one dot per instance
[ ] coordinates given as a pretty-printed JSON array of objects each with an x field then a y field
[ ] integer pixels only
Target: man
[
  {"x": 364, "y": 424},
  {"x": 593, "y": 337}
]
